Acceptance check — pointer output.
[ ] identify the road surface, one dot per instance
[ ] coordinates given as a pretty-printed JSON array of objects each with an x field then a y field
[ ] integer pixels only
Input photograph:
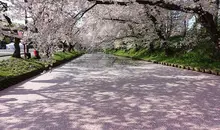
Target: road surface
[
  {"x": 102, "y": 92},
  {"x": 6, "y": 53}
]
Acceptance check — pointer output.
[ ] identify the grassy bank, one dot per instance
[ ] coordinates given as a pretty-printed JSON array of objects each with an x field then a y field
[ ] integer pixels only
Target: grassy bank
[
  {"x": 60, "y": 56},
  {"x": 14, "y": 69},
  {"x": 191, "y": 59}
]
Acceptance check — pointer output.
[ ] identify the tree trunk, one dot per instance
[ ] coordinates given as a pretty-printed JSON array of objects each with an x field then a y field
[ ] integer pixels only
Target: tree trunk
[
  {"x": 48, "y": 52},
  {"x": 17, "y": 52},
  {"x": 63, "y": 47},
  {"x": 185, "y": 28},
  {"x": 217, "y": 7},
  {"x": 208, "y": 21},
  {"x": 70, "y": 47}
]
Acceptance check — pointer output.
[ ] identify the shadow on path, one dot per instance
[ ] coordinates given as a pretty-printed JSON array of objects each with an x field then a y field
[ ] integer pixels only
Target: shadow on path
[{"x": 121, "y": 96}]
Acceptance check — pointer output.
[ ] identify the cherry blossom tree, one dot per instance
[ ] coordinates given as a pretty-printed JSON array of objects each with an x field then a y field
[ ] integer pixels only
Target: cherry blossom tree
[
  {"x": 56, "y": 24},
  {"x": 207, "y": 11},
  {"x": 8, "y": 30}
]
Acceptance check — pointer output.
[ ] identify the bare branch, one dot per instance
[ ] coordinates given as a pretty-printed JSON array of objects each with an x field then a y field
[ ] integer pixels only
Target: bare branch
[{"x": 120, "y": 20}]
